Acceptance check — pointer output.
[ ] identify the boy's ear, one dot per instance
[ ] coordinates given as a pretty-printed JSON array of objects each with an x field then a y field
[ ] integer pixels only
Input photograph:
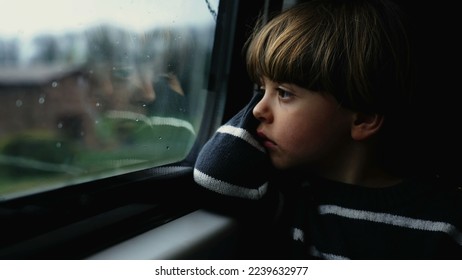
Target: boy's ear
[{"x": 365, "y": 125}]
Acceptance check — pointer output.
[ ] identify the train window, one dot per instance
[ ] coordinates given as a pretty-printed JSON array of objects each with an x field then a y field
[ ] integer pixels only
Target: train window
[{"x": 93, "y": 89}]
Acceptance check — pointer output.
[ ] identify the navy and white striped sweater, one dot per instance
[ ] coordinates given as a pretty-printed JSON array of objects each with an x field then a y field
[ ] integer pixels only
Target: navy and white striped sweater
[{"x": 416, "y": 219}]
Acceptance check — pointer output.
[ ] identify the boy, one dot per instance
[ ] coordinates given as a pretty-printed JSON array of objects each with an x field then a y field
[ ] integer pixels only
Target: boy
[{"x": 323, "y": 147}]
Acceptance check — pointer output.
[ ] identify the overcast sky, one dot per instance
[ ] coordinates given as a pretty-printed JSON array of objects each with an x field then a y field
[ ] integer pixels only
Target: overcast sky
[{"x": 23, "y": 18}]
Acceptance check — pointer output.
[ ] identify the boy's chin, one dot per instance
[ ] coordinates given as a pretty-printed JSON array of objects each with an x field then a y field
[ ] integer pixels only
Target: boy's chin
[{"x": 279, "y": 164}]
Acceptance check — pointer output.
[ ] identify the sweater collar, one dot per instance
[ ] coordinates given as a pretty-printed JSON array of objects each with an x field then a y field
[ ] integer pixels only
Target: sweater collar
[{"x": 332, "y": 192}]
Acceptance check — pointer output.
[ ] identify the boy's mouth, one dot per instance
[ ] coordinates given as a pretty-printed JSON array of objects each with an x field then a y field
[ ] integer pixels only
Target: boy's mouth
[{"x": 266, "y": 142}]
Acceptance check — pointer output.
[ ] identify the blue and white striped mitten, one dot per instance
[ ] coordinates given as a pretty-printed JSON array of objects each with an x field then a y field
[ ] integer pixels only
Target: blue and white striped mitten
[{"x": 233, "y": 163}]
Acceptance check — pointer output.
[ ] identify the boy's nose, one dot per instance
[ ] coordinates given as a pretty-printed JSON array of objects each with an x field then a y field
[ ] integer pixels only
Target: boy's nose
[
  {"x": 144, "y": 92},
  {"x": 148, "y": 92},
  {"x": 262, "y": 112}
]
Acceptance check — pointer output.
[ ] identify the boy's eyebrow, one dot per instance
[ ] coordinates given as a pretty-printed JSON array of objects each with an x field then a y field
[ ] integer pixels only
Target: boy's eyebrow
[{"x": 288, "y": 86}]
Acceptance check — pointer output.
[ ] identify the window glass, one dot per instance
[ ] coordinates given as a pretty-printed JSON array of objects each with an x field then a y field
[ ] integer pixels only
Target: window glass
[{"x": 91, "y": 89}]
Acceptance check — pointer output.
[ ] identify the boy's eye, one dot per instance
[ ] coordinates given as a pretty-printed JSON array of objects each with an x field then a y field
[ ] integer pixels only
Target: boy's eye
[
  {"x": 122, "y": 72},
  {"x": 284, "y": 94}
]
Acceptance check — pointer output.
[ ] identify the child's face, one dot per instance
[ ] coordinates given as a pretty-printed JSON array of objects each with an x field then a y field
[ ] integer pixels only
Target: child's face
[
  {"x": 302, "y": 128},
  {"x": 124, "y": 88}
]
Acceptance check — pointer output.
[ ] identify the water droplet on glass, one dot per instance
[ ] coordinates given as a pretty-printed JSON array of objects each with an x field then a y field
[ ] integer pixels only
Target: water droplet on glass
[
  {"x": 60, "y": 125},
  {"x": 41, "y": 100},
  {"x": 160, "y": 138},
  {"x": 97, "y": 104},
  {"x": 58, "y": 145},
  {"x": 18, "y": 103},
  {"x": 54, "y": 84},
  {"x": 168, "y": 147}
]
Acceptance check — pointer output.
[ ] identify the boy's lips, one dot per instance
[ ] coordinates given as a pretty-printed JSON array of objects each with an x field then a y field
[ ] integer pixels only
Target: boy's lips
[{"x": 267, "y": 142}]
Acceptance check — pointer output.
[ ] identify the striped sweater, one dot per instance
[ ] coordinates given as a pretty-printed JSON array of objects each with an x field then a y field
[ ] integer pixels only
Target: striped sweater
[{"x": 307, "y": 217}]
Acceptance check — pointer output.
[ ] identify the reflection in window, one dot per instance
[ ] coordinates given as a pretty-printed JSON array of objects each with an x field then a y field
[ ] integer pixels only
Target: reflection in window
[{"x": 91, "y": 89}]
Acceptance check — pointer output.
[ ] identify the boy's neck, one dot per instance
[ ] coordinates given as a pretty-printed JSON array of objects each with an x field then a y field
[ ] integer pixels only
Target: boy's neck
[{"x": 360, "y": 166}]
